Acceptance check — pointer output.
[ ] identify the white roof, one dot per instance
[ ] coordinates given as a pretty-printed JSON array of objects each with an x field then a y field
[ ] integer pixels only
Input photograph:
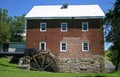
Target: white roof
[{"x": 72, "y": 11}]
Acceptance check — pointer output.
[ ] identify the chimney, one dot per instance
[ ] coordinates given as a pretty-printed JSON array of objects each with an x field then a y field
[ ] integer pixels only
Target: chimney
[{"x": 64, "y": 6}]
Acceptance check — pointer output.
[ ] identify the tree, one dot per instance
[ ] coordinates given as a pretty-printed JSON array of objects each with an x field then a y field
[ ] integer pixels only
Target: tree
[
  {"x": 4, "y": 26},
  {"x": 11, "y": 28},
  {"x": 113, "y": 24},
  {"x": 17, "y": 28}
]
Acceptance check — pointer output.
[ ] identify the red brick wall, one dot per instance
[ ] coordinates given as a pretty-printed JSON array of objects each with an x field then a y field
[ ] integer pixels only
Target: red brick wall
[{"x": 74, "y": 37}]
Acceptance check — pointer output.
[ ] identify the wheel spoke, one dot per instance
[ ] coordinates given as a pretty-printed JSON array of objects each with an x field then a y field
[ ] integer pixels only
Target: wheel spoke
[
  {"x": 43, "y": 61},
  {"x": 50, "y": 62},
  {"x": 47, "y": 66},
  {"x": 36, "y": 63}
]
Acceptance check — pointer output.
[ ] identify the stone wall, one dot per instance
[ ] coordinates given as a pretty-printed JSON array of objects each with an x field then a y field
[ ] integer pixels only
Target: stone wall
[{"x": 94, "y": 64}]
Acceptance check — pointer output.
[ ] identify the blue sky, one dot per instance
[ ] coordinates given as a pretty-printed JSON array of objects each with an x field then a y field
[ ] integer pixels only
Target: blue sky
[{"x": 19, "y": 7}]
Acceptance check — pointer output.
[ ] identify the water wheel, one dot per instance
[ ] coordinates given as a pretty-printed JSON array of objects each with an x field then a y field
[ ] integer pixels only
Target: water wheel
[{"x": 43, "y": 62}]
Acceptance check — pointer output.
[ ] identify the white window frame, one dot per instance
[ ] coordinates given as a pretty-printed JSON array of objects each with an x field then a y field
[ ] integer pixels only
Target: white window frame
[
  {"x": 66, "y": 27},
  {"x": 44, "y": 45},
  {"x": 41, "y": 27},
  {"x": 83, "y": 46},
  {"x": 83, "y": 26},
  {"x": 62, "y": 46}
]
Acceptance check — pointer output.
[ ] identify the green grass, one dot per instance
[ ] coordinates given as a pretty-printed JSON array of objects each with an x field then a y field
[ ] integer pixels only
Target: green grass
[{"x": 11, "y": 70}]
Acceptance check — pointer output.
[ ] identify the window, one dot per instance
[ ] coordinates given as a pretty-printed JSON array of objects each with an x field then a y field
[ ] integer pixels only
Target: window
[
  {"x": 63, "y": 27},
  {"x": 43, "y": 27},
  {"x": 63, "y": 46},
  {"x": 85, "y": 46},
  {"x": 42, "y": 46},
  {"x": 84, "y": 26}
]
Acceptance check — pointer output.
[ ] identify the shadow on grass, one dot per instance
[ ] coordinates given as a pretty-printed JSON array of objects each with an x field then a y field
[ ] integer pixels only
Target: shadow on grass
[
  {"x": 99, "y": 76},
  {"x": 14, "y": 60},
  {"x": 92, "y": 76}
]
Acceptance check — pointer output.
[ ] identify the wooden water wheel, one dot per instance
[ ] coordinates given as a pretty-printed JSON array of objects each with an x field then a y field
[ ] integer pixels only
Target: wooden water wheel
[{"x": 43, "y": 62}]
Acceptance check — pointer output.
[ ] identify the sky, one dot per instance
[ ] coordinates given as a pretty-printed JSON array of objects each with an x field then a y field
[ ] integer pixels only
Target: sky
[{"x": 20, "y": 7}]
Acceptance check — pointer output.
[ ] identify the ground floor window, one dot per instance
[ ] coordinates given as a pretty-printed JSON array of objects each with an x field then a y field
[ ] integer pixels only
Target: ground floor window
[
  {"x": 63, "y": 46},
  {"x": 42, "y": 46},
  {"x": 85, "y": 46}
]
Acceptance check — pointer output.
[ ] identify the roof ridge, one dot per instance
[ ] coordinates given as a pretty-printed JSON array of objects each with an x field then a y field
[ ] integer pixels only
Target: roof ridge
[{"x": 70, "y": 5}]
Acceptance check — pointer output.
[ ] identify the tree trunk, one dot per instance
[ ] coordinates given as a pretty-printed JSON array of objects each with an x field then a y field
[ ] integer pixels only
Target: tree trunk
[{"x": 118, "y": 60}]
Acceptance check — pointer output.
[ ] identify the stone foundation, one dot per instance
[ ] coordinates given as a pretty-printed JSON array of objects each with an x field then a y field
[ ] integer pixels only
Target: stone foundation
[{"x": 94, "y": 64}]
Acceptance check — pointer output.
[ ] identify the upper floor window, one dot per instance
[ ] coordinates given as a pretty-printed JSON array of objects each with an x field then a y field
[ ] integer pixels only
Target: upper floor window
[
  {"x": 63, "y": 46},
  {"x": 84, "y": 26},
  {"x": 42, "y": 46},
  {"x": 64, "y": 27},
  {"x": 85, "y": 46},
  {"x": 43, "y": 27}
]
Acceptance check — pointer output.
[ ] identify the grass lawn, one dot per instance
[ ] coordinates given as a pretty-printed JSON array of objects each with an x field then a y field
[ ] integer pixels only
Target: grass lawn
[{"x": 11, "y": 70}]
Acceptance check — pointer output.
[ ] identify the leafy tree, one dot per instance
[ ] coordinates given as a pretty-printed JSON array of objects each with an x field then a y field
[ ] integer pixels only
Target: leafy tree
[
  {"x": 4, "y": 26},
  {"x": 11, "y": 28},
  {"x": 113, "y": 55},
  {"x": 17, "y": 28},
  {"x": 113, "y": 29}
]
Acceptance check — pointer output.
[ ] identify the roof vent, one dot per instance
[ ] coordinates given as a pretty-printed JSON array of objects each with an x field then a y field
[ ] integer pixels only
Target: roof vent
[{"x": 64, "y": 6}]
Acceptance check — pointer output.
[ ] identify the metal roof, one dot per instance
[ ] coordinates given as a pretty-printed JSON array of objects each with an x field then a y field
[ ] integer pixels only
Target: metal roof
[{"x": 72, "y": 11}]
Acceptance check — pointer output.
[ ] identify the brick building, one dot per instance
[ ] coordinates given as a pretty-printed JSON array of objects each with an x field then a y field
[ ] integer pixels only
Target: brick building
[{"x": 73, "y": 33}]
